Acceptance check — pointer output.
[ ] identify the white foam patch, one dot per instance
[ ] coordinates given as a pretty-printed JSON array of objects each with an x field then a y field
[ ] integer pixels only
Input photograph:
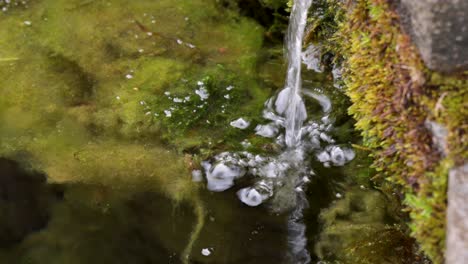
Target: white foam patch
[
  {"x": 311, "y": 57},
  {"x": 268, "y": 131},
  {"x": 250, "y": 196},
  {"x": 206, "y": 252},
  {"x": 240, "y": 123},
  {"x": 221, "y": 177},
  {"x": 203, "y": 93},
  {"x": 323, "y": 156},
  {"x": 337, "y": 156},
  {"x": 349, "y": 154}
]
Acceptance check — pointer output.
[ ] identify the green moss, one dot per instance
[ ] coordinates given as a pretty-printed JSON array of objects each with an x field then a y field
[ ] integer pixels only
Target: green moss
[{"x": 392, "y": 96}]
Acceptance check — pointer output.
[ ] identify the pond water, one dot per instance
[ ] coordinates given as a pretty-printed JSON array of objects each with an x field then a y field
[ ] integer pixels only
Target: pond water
[{"x": 119, "y": 142}]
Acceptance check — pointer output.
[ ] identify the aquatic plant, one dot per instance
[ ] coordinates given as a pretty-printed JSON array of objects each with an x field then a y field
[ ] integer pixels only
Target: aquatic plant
[
  {"x": 79, "y": 98},
  {"x": 360, "y": 228}
]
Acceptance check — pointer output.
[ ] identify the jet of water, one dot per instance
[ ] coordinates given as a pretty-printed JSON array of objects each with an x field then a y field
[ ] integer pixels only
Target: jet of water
[{"x": 294, "y": 111}]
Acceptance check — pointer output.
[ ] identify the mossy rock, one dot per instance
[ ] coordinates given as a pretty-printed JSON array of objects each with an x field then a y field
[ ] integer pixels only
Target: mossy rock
[{"x": 393, "y": 95}]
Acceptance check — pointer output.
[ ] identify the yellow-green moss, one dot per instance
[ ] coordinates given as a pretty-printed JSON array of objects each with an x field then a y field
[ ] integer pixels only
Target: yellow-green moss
[{"x": 393, "y": 94}]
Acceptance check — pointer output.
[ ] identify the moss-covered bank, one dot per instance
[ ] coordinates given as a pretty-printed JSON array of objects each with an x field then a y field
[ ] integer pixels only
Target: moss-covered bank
[{"x": 395, "y": 100}]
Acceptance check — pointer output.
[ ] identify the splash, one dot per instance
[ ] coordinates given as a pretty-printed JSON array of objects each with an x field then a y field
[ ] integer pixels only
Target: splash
[
  {"x": 279, "y": 179},
  {"x": 294, "y": 109}
]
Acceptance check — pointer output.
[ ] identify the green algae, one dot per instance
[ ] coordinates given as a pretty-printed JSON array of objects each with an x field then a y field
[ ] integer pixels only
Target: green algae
[
  {"x": 83, "y": 86},
  {"x": 77, "y": 79}
]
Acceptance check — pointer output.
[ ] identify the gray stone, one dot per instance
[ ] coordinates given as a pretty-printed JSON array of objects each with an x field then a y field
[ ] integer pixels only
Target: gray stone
[
  {"x": 457, "y": 215},
  {"x": 439, "y": 136},
  {"x": 440, "y": 31}
]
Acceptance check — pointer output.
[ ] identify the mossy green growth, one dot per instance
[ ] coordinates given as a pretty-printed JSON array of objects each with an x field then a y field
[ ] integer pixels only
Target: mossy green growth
[
  {"x": 393, "y": 97},
  {"x": 105, "y": 71}
]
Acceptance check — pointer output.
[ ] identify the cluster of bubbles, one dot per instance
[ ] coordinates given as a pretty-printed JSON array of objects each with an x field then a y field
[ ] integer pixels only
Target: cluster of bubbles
[{"x": 270, "y": 172}]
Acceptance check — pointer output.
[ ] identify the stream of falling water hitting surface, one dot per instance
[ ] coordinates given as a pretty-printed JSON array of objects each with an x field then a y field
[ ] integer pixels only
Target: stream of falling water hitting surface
[
  {"x": 280, "y": 179},
  {"x": 294, "y": 111}
]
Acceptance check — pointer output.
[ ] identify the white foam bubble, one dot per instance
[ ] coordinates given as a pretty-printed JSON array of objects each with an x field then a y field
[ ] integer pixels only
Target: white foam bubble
[
  {"x": 250, "y": 196},
  {"x": 240, "y": 123},
  {"x": 337, "y": 156},
  {"x": 221, "y": 177},
  {"x": 206, "y": 252},
  {"x": 268, "y": 131},
  {"x": 203, "y": 93},
  {"x": 323, "y": 156},
  {"x": 311, "y": 57}
]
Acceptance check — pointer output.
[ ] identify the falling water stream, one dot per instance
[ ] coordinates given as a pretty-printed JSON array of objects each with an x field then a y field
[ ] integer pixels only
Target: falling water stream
[
  {"x": 280, "y": 179},
  {"x": 294, "y": 111}
]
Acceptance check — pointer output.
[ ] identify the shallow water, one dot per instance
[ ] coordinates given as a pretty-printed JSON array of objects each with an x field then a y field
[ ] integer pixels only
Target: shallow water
[{"x": 106, "y": 109}]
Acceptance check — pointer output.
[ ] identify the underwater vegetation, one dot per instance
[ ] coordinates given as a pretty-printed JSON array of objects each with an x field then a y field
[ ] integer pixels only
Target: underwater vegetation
[
  {"x": 118, "y": 95},
  {"x": 71, "y": 90},
  {"x": 359, "y": 229},
  {"x": 396, "y": 102}
]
